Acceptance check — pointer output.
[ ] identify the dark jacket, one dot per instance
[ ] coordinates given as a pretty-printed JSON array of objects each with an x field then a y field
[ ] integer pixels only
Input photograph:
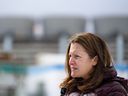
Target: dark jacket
[{"x": 112, "y": 85}]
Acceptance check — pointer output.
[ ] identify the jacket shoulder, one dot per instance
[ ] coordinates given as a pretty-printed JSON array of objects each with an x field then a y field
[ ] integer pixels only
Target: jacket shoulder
[{"x": 112, "y": 88}]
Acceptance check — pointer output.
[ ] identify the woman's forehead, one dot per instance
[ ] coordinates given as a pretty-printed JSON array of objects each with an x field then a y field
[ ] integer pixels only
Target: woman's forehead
[{"x": 75, "y": 47}]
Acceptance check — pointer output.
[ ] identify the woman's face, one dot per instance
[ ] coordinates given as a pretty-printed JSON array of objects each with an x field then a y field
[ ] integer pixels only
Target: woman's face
[{"x": 80, "y": 62}]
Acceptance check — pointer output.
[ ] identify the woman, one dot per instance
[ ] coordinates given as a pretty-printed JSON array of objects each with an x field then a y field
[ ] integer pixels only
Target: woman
[{"x": 90, "y": 70}]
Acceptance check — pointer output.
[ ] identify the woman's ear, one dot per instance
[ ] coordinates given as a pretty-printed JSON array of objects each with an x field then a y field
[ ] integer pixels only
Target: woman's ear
[{"x": 95, "y": 60}]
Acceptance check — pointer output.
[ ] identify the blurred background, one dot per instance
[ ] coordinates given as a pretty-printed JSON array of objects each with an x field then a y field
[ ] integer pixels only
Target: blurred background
[{"x": 34, "y": 36}]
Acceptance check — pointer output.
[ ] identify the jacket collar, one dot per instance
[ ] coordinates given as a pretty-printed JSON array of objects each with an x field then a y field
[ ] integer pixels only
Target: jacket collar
[{"x": 110, "y": 73}]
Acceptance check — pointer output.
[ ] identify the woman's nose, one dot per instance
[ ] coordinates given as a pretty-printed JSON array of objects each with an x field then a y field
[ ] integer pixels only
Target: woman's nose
[{"x": 71, "y": 61}]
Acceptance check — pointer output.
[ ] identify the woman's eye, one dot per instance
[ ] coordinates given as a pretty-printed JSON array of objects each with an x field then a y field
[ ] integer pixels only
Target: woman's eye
[
  {"x": 69, "y": 56},
  {"x": 77, "y": 56},
  {"x": 74, "y": 56}
]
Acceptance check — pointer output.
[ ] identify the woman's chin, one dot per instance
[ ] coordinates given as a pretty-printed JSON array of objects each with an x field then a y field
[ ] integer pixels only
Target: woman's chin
[{"x": 74, "y": 75}]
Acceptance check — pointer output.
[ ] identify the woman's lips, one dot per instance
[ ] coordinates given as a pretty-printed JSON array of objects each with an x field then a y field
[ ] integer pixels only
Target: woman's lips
[{"x": 74, "y": 68}]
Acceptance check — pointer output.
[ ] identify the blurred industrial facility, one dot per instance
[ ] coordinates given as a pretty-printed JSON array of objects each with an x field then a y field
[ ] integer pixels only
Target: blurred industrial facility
[{"x": 34, "y": 37}]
